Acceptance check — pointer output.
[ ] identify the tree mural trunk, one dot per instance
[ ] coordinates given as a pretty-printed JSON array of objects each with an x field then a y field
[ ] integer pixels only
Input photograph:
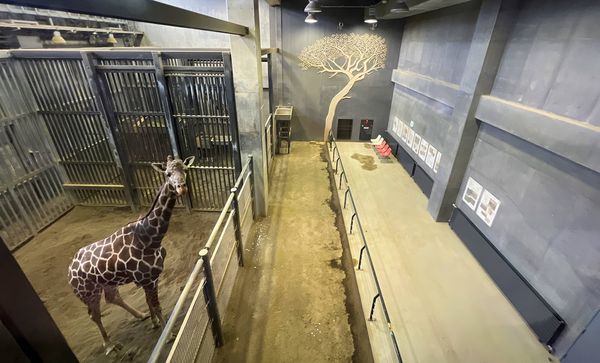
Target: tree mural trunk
[
  {"x": 333, "y": 106},
  {"x": 353, "y": 55}
]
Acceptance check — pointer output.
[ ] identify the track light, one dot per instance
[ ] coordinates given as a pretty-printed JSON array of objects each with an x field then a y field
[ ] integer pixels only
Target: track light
[
  {"x": 310, "y": 18},
  {"x": 312, "y": 7},
  {"x": 58, "y": 39},
  {"x": 370, "y": 18},
  {"x": 111, "y": 39}
]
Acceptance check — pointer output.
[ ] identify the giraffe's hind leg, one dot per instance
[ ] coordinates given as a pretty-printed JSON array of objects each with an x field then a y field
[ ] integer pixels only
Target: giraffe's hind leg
[
  {"x": 111, "y": 293},
  {"x": 94, "y": 311}
]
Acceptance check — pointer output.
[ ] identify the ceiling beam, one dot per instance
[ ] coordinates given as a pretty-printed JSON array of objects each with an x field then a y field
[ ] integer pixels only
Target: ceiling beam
[{"x": 147, "y": 11}]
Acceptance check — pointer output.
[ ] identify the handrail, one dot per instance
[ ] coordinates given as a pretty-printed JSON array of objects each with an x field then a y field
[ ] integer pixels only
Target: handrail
[
  {"x": 366, "y": 248},
  {"x": 166, "y": 333},
  {"x": 168, "y": 328}
]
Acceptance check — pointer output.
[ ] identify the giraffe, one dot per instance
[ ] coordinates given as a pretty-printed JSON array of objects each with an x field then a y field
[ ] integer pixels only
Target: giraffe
[{"x": 131, "y": 254}]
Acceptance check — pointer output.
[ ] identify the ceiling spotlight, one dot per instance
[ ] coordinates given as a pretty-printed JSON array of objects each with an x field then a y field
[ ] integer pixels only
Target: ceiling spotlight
[
  {"x": 310, "y": 19},
  {"x": 312, "y": 7},
  {"x": 370, "y": 18},
  {"x": 111, "y": 39},
  {"x": 57, "y": 38}
]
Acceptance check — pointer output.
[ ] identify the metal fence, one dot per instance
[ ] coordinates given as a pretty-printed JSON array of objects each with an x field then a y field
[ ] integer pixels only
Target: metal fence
[
  {"x": 270, "y": 140},
  {"x": 91, "y": 123},
  {"x": 211, "y": 281},
  {"x": 365, "y": 247},
  {"x": 31, "y": 187}
]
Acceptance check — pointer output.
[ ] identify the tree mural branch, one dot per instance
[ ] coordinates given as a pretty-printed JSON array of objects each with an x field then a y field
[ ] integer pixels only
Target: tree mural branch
[{"x": 353, "y": 55}]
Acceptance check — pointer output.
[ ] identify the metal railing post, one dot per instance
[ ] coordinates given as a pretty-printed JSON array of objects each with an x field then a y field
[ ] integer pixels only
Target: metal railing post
[
  {"x": 352, "y": 221},
  {"x": 210, "y": 297},
  {"x": 237, "y": 225},
  {"x": 346, "y": 196},
  {"x": 336, "y": 164},
  {"x": 373, "y": 307},
  {"x": 251, "y": 179},
  {"x": 333, "y": 153},
  {"x": 341, "y": 174},
  {"x": 362, "y": 249}
]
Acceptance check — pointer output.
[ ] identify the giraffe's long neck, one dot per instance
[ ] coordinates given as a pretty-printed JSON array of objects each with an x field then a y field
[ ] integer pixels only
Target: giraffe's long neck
[{"x": 152, "y": 228}]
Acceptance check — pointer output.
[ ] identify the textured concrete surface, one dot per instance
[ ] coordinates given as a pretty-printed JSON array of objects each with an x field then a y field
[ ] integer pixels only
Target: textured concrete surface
[
  {"x": 545, "y": 92},
  {"x": 547, "y": 224},
  {"x": 289, "y": 303}
]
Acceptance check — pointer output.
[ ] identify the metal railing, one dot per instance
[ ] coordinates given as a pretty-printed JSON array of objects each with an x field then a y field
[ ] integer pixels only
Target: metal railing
[
  {"x": 365, "y": 246},
  {"x": 270, "y": 139},
  {"x": 211, "y": 280}
]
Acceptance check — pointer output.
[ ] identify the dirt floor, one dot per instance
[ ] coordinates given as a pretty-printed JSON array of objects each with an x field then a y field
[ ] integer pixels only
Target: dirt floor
[
  {"x": 46, "y": 257},
  {"x": 290, "y": 303}
]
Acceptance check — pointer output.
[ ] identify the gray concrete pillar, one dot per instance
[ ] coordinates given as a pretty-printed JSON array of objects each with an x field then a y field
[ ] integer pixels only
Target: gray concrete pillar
[
  {"x": 247, "y": 80},
  {"x": 489, "y": 38}
]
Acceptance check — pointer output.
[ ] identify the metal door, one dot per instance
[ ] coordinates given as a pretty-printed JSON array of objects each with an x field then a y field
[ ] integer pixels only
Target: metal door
[{"x": 366, "y": 130}]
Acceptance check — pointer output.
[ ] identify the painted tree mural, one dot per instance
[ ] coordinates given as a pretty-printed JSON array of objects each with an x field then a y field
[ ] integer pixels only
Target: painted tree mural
[{"x": 352, "y": 55}]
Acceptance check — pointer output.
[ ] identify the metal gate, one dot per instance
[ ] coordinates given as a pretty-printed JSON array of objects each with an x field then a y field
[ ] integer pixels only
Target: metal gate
[
  {"x": 83, "y": 127},
  {"x": 31, "y": 190},
  {"x": 172, "y": 103}
]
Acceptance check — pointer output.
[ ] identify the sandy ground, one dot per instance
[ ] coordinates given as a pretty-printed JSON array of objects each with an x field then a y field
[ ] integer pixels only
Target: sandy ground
[
  {"x": 290, "y": 302},
  {"x": 46, "y": 257}
]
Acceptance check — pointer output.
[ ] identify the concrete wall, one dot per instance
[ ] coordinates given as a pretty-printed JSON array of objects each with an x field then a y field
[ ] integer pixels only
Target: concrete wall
[
  {"x": 310, "y": 92},
  {"x": 174, "y": 37},
  {"x": 537, "y": 146}
]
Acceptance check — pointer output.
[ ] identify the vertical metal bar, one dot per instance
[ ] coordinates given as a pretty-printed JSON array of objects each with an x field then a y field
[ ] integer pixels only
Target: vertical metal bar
[
  {"x": 237, "y": 222},
  {"x": 352, "y": 221},
  {"x": 210, "y": 297},
  {"x": 373, "y": 307},
  {"x": 232, "y": 112},
  {"x": 336, "y": 164},
  {"x": 346, "y": 196},
  {"x": 362, "y": 249},
  {"x": 104, "y": 105},
  {"x": 270, "y": 78},
  {"x": 341, "y": 175},
  {"x": 165, "y": 100}
]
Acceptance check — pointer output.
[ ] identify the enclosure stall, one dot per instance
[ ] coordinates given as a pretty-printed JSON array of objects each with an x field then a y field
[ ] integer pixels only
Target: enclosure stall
[{"x": 82, "y": 128}]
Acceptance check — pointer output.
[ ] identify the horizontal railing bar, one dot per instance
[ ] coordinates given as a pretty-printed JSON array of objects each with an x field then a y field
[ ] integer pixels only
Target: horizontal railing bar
[
  {"x": 181, "y": 115},
  {"x": 166, "y": 333},
  {"x": 222, "y": 216},
  {"x": 198, "y": 54},
  {"x": 68, "y": 112},
  {"x": 192, "y": 69},
  {"x": 92, "y": 186},
  {"x": 124, "y": 68},
  {"x": 198, "y": 74}
]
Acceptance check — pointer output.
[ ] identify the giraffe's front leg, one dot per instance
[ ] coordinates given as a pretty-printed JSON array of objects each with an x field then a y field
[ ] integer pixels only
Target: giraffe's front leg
[{"x": 154, "y": 304}]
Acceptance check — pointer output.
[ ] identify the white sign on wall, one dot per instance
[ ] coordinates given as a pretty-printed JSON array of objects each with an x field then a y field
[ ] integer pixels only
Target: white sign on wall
[
  {"x": 416, "y": 143},
  {"x": 410, "y": 138},
  {"x": 431, "y": 153},
  {"x": 472, "y": 193},
  {"x": 488, "y": 207},
  {"x": 423, "y": 149},
  {"x": 436, "y": 165}
]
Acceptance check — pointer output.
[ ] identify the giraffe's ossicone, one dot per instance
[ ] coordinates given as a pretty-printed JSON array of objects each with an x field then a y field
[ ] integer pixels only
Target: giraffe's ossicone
[{"x": 131, "y": 254}]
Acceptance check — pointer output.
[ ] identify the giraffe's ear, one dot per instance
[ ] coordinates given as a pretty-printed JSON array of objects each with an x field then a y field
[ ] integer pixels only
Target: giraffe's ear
[
  {"x": 160, "y": 167},
  {"x": 188, "y": 161}
]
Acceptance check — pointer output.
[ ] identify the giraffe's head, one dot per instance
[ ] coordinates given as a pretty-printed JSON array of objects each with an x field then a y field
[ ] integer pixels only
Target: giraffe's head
[{"x": 175, "y": 171}]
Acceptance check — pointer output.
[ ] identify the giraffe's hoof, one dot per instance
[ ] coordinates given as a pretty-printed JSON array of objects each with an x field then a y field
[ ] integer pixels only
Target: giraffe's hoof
[
  {"x": 112, "y": 347},
  {"x": 144, "y": 317}
]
